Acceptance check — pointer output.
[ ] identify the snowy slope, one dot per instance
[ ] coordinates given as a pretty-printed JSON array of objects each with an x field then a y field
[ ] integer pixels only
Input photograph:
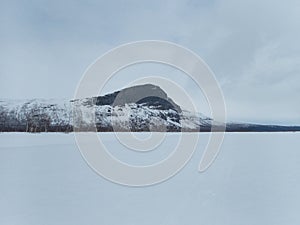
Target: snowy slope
[
  {"x": 138, "y": 108},
  {"x": 152, "y": 111}
]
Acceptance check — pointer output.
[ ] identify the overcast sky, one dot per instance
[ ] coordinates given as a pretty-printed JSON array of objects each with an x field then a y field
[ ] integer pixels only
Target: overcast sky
[{"x": 252, "y": 47}]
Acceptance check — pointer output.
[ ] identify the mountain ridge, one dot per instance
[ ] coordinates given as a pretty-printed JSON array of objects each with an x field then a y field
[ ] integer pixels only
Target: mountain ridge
[{"x": 140, "y": 108}]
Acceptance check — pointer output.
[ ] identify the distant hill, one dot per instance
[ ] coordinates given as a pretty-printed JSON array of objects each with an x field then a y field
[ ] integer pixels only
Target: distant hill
[{"x": 139, "y": 108}]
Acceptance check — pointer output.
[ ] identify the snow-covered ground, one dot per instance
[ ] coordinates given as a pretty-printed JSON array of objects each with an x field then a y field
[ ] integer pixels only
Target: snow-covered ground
[{"x": 255, "y": 180}]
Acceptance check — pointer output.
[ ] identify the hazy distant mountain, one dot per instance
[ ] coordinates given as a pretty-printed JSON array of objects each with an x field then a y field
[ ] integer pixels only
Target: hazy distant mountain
[{"x": 138, "y": 108}]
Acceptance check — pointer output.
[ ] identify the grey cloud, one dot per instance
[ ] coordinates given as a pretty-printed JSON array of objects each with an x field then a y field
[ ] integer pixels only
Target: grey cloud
[{"x": 252, "y": 47}]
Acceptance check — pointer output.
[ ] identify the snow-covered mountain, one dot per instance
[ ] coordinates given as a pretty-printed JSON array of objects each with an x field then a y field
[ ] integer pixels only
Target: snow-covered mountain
[{"x": 138, "y": 108}]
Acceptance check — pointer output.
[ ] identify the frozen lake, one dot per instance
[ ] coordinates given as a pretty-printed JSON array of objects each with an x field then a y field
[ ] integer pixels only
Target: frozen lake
[{"x": 255, "y": 180}]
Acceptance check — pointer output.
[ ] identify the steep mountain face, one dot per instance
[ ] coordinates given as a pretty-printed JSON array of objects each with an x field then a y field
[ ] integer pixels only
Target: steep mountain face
[
  {"x": 138, "y": 108},
  {"x": 147, "y": 95}
]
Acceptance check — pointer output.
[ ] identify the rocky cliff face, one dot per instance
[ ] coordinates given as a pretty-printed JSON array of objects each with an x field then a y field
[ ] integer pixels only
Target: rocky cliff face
[{"x": 147, "y": 95}]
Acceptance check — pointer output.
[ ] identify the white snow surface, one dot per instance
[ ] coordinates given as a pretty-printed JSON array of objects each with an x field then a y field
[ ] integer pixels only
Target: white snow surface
[{"x": 254, "y": 180}]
